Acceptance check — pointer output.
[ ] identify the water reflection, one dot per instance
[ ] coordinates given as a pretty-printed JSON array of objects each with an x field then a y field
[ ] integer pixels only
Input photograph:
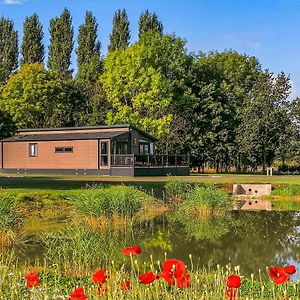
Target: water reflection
[{"x": 252, "y": 240}]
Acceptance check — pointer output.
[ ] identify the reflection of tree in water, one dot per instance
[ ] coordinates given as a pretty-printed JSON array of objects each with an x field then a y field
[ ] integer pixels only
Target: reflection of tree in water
[
  {"x": 210, "y": 228},
  {"x": 253, "y": 240}
]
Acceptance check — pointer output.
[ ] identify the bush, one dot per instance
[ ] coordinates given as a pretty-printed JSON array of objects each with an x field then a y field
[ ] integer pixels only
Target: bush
[
  {"x": 121, "y": 200},
  {"x": 207, "y": 199}
]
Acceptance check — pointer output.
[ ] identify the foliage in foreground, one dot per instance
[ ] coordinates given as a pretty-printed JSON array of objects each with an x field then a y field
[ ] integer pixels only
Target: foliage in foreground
[{"x": 204, "y": 284}]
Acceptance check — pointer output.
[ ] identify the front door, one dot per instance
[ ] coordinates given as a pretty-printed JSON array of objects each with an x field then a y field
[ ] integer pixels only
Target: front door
[{"x": 104, "y": 154}]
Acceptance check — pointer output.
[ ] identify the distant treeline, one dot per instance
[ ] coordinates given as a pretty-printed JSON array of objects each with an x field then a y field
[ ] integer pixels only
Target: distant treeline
[{"x": 222, "y": 109}]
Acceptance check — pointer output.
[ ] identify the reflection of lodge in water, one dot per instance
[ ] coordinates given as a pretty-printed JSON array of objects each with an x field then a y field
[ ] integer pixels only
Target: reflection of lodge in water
[{"x": 247, "y": 196}]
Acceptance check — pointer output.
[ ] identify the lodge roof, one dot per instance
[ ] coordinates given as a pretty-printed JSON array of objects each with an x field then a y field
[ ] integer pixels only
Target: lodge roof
[{"x": 64, "y": 136}]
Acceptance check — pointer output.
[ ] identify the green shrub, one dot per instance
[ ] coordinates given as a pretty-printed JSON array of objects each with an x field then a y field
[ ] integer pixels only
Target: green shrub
[
  {"x": 176, "y": 190},
  {"x": 209, "y": 198},
  {"x": 122, "y": 200}
]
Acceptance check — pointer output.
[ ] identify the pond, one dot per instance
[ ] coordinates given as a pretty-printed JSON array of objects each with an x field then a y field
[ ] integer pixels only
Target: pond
[{"x": 252, "y": 240}]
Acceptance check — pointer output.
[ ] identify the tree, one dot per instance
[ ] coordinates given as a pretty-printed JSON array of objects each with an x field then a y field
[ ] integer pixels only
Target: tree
[
  {"x": 220, "y": 84},
  {"x": 35, "y": 97},
  {"x": 61, "y": 44},
  {"x": 88, "y": 45},
  {"x": 32, "y": 48},
  {"x": 7, "y": 127},
  {"x": 149, "y": 22},
  {"x": 143, "y": 82},
  {"x": 120, "y": 36},
  {"x": 264, "y": 119},
  {"x": 8, "y": 48},
  {"x": 89, "y": 69}
]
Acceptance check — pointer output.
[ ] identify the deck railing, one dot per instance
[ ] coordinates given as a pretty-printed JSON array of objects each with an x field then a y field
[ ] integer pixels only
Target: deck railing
[{"x": 132, "y": 160}]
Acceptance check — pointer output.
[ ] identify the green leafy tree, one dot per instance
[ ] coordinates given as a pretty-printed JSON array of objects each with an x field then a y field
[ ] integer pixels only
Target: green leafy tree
[
  {"x": 35, "y": 97},
  {"x": 264, "y": 119},
  {"x": 88, "y": 45},
  {"x": 32, "y": 48},
  {"x": 89, "y": 69},
  {"x": 220, "y": 84},
  {"x": 149, "y": 22},
  {"x": 7, "y": 127},
  {"x": 8, "y": 49},
  {"x": 120, "y": 36},
  {"x": 61, "y": 43},
  {"x": 142, "y": 81}
]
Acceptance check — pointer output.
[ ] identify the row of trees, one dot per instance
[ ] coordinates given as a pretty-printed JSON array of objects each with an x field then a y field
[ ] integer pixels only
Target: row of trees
[{"x": 221, "y": 108}]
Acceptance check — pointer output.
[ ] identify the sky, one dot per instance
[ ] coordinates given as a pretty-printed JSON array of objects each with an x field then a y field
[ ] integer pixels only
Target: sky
[{"x": 267, "y": 29}]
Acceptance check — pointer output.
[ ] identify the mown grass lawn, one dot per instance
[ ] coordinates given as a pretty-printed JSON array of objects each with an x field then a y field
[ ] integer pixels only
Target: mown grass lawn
[{"x": 71, "y": 182}]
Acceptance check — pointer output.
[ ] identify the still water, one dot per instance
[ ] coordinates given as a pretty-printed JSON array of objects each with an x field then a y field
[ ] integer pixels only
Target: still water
[{"x": 252, "y": 240}]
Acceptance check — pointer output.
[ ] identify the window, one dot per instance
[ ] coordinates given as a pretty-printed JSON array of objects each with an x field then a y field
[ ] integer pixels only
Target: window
[
  {"x": 63, "y": 149},
  {"x": 32, "y": 150},
  {"x": 104, "y": 153},
  {"x": 144, "y": 148}
]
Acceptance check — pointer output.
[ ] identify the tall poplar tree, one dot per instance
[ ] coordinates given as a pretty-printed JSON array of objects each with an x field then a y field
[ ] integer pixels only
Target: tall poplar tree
[
  {"x": 32, "y": 48},
  {"x": 61, "y": 43},
  {"x": 120, "y": 36},
  {"x": 149, "y": 23},
  {"x": 88, "y": 45},
  {"x": 8, "y": 48}
]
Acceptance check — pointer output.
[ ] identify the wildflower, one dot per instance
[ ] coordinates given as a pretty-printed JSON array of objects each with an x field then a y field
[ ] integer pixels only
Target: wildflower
[
  {"x": 290, "y": 269},
  {"x": 99, "y": 277},
  {"x": 278, "y": 275},
  {"x": 174, "y": 272},
  {"x": 78, "y": 294},
  {"x": 148, "y": 278},
  {"x": 32, "y": 279},
  {"x": 125, "y": 286},
  {"x": 233, "y": 281},
  {"x": 132, "y": 250}
]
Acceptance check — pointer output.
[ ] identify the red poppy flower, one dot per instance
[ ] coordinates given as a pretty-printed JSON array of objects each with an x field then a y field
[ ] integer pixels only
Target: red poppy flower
[
  {"x": 184, "y": 282},
  {"x": 148, "y": 278},
  {"x": 233, "y": 281},
  {"x": 278, "y": 275},
  {"x": 99, "y": 277},
  {"x": 78, "y": 294},
  {"x": 132, "y": 250},
  {"x": 175, "y": 267},
  {"x": 125, "y": 286},
  {"x": 32, "y": 279},
  {"x": 174, "y": 272},
  {"x": 290, "y": 269},
  {"x": 102, "y": 291}
]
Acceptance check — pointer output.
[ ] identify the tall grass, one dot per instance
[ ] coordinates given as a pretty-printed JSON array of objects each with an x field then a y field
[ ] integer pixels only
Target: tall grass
[
  {"x": 121, "y": 200},
  {"x": 203, "y": 202}
]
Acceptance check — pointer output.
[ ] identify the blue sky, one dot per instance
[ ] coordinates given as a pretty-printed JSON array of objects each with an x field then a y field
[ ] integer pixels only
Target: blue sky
[{"x": 267, "y": 29}]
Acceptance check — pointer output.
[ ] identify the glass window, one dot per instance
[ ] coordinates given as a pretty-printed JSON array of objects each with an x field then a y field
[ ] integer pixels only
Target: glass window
[
  {"x": 63, "y": 149},
  {"x": 104, "y": 153},
  {"x": 32, "y": 150},
  {"x": 144, "y": 148}
]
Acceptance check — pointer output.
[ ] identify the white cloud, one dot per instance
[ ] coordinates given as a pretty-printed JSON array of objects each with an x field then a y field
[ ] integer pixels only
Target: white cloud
[{"x": 13, "y": 2}]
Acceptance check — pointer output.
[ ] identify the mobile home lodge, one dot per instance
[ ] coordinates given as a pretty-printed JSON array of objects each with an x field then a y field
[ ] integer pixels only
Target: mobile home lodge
[{"x": 118, "y": 150}]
